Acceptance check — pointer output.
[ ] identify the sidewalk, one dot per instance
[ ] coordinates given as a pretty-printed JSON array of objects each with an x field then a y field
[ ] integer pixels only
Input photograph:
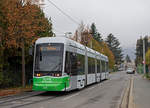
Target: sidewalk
[
  {"x": 141, "y": 92},
  {"x": 14, "y": 91}
]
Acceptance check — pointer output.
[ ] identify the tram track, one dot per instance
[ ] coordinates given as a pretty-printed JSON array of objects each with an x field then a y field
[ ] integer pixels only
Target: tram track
[
  {"x": 32, "y": 99},
  {"x": 18, "y": 97},
  {"x": 34, "y": 102}
]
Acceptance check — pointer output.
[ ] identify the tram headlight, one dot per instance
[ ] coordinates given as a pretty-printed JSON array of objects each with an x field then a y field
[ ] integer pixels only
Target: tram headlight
[
  {"x": 38, "y": 75},
  {"x": 57, "y": 75}
]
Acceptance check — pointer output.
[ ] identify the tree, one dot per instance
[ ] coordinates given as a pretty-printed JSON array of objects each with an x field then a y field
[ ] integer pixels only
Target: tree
[
  {"x": 88, "y": 40},
  {"x": 3, "y": 26},
  {"x": 96, "y": 35},
  {"x": 78, "y": 34},
  {"x": 139, "y": 49},
  {"x": 23, "y": 22},
  {"x": 148, "y": 58},
  {"x": 114, "y": 45},
  {"x": 128, "y": 58},
  {"x": 104, "y": 49}
]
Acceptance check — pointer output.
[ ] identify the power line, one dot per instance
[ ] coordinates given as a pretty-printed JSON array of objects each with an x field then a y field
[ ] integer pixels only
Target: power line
[{"x": 63, "y": 12}]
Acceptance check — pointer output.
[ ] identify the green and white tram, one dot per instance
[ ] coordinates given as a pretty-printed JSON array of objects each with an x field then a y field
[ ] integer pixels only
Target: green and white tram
[{"x": 61, "y": 64}]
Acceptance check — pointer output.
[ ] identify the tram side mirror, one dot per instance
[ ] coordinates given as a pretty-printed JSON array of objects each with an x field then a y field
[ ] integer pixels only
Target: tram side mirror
[{"x": 31, "y": 51}]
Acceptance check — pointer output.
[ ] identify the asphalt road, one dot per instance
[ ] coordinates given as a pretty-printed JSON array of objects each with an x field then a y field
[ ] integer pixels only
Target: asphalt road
[
  {"x": 141, "y": 92},
  {"x": 106, "y": 94}
]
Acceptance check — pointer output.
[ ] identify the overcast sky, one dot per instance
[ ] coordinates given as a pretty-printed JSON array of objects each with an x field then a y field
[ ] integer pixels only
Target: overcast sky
[{"x": 126, "y": 19}]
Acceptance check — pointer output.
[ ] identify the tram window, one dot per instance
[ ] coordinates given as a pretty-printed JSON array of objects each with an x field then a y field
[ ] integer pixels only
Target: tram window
[
  {"x": 71, "y": 63},
  {"x": 103, "y": 66},
  {"x": 73, "y": 58},
  {"x": 80, "y": 64},
  {"x": 74, "y": 64},
  {"x": 67, "y": 63},
  {"x": 91, "y": 65},
  {"x": 98, "y": 66},
  {"x": 107, "y": 66}
]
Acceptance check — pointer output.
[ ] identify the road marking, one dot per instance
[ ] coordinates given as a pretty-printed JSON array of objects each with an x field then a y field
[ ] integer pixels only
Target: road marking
[
  {"x": 121, "y": 101},
  {"x": 125, "y": 95},
  {"x": 127, "y": 99},
  {"x": 131, "y": 100},
  {"x": 66, "y": 98},
  {"x": 91, "y": 88}
]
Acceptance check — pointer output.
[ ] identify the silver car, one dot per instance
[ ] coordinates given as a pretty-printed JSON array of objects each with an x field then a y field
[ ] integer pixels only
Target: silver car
[{"x": 130, "y": 71}]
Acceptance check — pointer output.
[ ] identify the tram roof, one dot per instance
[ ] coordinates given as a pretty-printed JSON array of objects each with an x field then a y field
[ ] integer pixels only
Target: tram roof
[{"x": 68, "y": 41}]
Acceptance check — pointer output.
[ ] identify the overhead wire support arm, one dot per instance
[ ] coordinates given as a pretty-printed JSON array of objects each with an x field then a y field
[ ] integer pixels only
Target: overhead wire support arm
[{"x": 63, "y": 12}]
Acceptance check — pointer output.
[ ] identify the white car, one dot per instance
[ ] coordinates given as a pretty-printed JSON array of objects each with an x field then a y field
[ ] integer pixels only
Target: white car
[{"x": 130, "y": 71}]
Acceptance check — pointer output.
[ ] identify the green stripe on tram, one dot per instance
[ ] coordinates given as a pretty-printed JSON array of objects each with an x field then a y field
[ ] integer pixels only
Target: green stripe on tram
[{"x": 48, "y": 83}]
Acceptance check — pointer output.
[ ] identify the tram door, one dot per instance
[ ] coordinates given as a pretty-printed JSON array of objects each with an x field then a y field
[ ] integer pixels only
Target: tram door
[
  {"x": 70, "y": 69},
  {"x": 96, "y": 70},
  {"x": 86, "y": 66}
]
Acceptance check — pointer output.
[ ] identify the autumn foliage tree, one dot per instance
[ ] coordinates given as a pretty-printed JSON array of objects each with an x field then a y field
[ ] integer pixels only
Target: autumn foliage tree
[
  {"x": 148, "y": 58},
  {"x": 22, "y": 23},
  {"x": 2, "y": 32},
  {"x": 104, "y": 49},
  {"x": 25, "y": 22},
  {"x": 86, "y": 38}
]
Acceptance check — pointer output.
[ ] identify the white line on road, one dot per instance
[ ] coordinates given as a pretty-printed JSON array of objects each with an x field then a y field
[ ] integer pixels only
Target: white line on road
[
  {"x": 70, "y": 96},
  {"x": 91, "y": 88}
]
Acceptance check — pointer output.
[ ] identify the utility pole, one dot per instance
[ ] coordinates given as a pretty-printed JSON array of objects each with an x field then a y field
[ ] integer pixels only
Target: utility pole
[{"x": 144, "y": 70}]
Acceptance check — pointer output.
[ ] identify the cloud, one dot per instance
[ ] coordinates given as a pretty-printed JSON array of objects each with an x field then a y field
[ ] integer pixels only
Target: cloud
[{"x": 126, "y": 19}]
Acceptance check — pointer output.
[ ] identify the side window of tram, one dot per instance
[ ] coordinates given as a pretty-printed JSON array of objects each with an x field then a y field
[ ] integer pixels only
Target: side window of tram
[
  {"x": 103, "y": 66},
  {"x": 67, "y": 63},
  {"x": 73, "y": 59},
  {"x": 71, "y": 63},
  {"x": 107, "y": 67},
  {"x": 91, "y": 65},
  {"x": 98, "y": 66},
  {"x": 80, "y": 64},
  {"x": 74, "y": 64}
]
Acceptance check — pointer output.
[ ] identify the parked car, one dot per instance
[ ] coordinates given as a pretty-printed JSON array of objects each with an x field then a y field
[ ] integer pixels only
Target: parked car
[
  {"x": 130, "y": 71},
  {"x": 120, "y": 69}
]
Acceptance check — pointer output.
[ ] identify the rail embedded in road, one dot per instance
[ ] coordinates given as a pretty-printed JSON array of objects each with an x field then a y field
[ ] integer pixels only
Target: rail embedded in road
[{"x": 15, "y": 97}]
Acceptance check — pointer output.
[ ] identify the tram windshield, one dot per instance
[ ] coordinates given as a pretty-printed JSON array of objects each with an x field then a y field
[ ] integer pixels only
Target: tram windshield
[{"x": 49, "y": 59}]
